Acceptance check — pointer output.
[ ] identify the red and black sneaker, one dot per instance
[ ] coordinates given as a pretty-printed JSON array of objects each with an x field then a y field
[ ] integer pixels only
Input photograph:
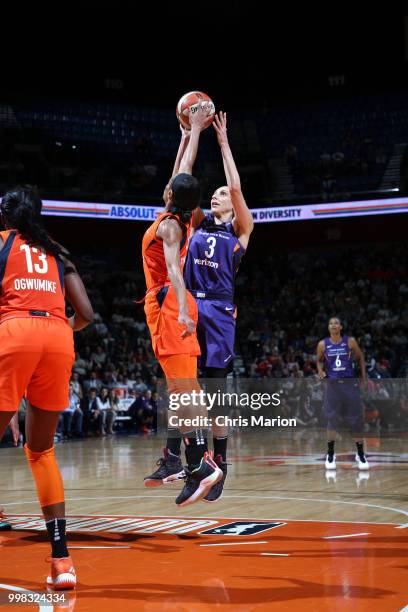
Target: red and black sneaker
[
  {"x": 170, "y": 469},
  {"x": 215, "y": 493},
  {"x": 199, "y": 481}
]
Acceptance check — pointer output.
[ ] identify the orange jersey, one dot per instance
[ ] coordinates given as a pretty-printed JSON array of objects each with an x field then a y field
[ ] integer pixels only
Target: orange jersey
[
  {"x": 30, "y": 280},
  {"x": 154, "y": 262}
]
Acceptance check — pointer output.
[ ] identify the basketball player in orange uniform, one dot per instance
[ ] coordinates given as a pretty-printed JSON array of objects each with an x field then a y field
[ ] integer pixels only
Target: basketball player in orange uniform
[
  {"x": 37, "y": 352},
  {"x": 171, "y": 311}
]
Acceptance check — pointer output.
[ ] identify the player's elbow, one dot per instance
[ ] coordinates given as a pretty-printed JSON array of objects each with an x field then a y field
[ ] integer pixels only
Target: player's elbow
[
  {"x": 87, "y": 314},
  {"x": 235, "y": 190},
  {"x": 250, "y": 225},
  {"x": 173, "y": 273}
]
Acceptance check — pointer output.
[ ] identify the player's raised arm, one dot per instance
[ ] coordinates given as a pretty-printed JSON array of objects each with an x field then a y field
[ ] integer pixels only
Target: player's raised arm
[
  {"x": 320, "y": 359},
  {"x": 77, "y": 296},
  {"x": 198, "y": 122},
  {"x": 185, "y": 137},
  {"x": 171, "y": 234},
  {"x": 243, "y": 222},
  {"x": 359, "y": 356}
]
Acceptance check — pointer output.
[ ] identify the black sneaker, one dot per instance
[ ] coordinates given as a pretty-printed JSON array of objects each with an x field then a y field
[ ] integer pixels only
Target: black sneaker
[
  {"x": 199, "y": 482},
  {"x": 216, "y": 491},
  {"x": 170, "y": 469}
]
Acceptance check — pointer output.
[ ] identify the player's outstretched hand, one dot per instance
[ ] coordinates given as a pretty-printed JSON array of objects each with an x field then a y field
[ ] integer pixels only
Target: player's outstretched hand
[
  {"x": 321, "y": 375},
  {"x": 220, "y": 126},
  {"x": 199, "y": 117},
  {"x": 184, "y": 319}
]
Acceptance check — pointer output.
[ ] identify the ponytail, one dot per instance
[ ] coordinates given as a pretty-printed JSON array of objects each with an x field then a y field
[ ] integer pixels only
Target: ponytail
[{"x": 21, "y": 209}]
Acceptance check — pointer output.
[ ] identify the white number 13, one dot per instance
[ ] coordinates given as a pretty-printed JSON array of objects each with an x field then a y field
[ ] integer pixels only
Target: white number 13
[{"x": 40, "y": 269}]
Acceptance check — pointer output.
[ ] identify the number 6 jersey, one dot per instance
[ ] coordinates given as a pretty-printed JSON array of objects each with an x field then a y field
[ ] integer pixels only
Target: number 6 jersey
[
  {"x": 31, "y": 280},
  {"x": 213, "y": 259},
  {"x": 339, "y": 360}
]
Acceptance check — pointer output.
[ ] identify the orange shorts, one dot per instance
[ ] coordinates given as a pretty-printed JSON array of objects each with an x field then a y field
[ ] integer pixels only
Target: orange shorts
[
  {"x": 162, "y": 312},
  {"x": 36, "y": 357},
  {"x": 181, "y": 373}
]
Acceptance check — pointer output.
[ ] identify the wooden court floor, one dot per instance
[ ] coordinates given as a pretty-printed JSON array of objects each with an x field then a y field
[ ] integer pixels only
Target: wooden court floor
[{"x": 285, "y": 535}]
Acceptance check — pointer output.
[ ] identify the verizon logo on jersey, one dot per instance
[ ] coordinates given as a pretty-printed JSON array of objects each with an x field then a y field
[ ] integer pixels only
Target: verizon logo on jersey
[
  {"x": 24, "y": 284},
  {"x": 206, "y": 262}
]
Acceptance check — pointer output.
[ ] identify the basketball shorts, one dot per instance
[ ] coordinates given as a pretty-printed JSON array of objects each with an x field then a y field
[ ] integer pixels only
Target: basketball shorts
[
  {"x": 216, "y": 333},
  {"x": 36, "y": 358},
  {"x": 162, "y": 313},
  {"x": 342, "y": 399}
]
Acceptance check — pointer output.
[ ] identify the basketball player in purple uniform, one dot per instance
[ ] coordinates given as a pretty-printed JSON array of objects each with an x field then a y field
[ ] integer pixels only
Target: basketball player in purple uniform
[
  {"x": 219, "y": 241},
  {"x": 335, "y": 356}
]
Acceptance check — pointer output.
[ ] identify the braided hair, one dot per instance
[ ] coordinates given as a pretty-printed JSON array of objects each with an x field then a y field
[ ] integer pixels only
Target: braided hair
[{"x": 21, "y": 210}]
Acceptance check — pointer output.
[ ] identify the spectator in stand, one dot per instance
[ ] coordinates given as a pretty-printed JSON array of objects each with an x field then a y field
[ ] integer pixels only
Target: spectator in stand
[
  {"x": 153, "y": 383},
  {"x": 104, "y": 405},
  {"x": 76, "y": 385},
  {"x": 93, "y": 382},
  {"x": 112, "y": 411},
  {"x": 146, "y": 413},
  {"x": 135, "y": 407},
  {"x": 119, "y": 387},
  {"x": 140, "y": 385},
  {"x": 71, "y": 417},
  {"x": 98, "y": 358},
  {"x": 80, "y": 365},
  {"x": 90, "y": 411}
]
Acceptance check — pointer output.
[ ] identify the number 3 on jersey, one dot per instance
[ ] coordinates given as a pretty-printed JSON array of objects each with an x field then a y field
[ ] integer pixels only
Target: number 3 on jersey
[
  {"x": 212, "y": 242},
  {"x": 40, "y": 269}
]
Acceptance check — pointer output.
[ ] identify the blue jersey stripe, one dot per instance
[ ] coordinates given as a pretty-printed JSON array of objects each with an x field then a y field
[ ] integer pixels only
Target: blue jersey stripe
[{"x": 4, "y": 253}]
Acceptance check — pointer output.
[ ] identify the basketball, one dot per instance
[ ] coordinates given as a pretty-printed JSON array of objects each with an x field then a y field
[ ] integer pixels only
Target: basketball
[{"x": 191, "y": 100}]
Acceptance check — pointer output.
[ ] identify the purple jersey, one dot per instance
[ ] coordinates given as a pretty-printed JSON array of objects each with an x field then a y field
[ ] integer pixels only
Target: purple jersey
[
  {"x": 213, "y": 259},
  {"x": 339, "y": 361},
  {"x": 212, "y": 262}
]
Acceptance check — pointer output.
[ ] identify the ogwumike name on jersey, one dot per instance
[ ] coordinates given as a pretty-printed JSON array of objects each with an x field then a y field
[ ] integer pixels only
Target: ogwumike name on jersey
[{"x": 24, "y": 284}]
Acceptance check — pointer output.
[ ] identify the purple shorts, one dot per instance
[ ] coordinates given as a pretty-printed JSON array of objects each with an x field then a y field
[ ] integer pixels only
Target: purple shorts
[
  {"x": 342, "y": 399},
  {"x": 216, "y": 333}
]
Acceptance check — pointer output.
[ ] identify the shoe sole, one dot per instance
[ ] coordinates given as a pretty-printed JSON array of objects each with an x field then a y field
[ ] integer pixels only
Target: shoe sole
[
  {"x": 64, "y": 582},
  {"x": 204, "y": 487},
  {"x": 213, "y": 501},
  {"x": 151, "y": 483},
  {"x": 364, "y": 468}
]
